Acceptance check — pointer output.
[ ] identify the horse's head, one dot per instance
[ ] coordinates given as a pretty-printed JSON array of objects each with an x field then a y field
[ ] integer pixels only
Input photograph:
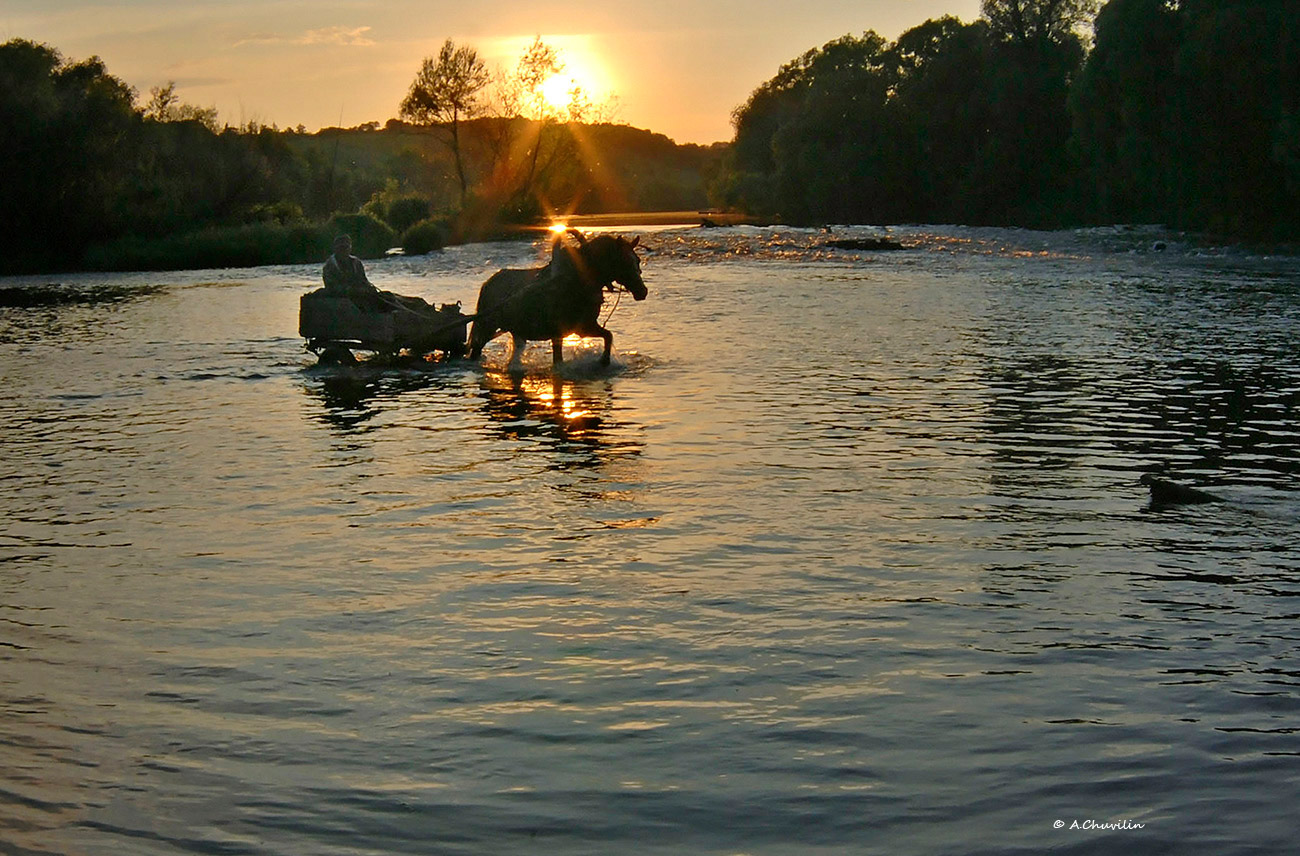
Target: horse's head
[{"x": 613, "y": 258}]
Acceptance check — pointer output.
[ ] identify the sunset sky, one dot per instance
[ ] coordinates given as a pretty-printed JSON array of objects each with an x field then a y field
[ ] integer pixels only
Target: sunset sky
[{"x": 678, "y": 67}]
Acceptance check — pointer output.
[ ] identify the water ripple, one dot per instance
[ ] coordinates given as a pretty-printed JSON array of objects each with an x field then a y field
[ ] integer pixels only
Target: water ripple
[{"x": 847, "y": 545}]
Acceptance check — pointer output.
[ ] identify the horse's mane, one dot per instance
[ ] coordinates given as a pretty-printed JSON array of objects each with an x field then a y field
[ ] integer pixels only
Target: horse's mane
[{"x": 576, "y": 261}]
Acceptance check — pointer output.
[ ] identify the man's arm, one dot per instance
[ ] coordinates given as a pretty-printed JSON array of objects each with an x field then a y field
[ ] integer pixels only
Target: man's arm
[{"x": 359, "y": 280}]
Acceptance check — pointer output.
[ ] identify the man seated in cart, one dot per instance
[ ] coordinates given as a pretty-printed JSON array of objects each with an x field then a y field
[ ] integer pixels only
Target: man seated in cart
[{"x": 345, "y": 276}]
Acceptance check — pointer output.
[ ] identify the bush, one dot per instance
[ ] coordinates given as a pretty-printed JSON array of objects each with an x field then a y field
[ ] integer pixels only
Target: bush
[
  {"x": 400, "y": 209},
  {"x": 406, "y": 211},
  {"x": 425, "y": 237},
  {"x": 283, "y": 213},
  {"x": 232, "y": 246},
  {"x": 370, "y": 238}
]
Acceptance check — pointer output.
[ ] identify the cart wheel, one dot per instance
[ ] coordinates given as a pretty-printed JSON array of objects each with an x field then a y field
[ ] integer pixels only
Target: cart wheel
[{"x": 336, "y": 355}]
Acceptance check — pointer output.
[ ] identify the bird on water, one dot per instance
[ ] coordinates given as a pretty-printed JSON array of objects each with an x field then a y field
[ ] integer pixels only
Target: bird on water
[{"x": 1165, "y": 492}]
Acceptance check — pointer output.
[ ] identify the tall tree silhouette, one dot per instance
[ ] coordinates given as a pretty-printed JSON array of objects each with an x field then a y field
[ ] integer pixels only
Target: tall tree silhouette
[{"x": 447, "y": 91}]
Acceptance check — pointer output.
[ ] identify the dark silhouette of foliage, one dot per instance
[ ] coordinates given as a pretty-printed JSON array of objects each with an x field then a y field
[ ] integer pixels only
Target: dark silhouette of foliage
[
  {"x": 1124, "y": 112},
  {"x": 1026, "y": 21},
  {"x": 425, "y": 237},
  {"x": 1188, "y": 113},
  {"x": 405, "y": 212},
  {"x": 1185, "y": 111},
  {"x": 951, "y": 121},
  {"x": 939, "y": 70},
  {"x": 370, "y": 237},
  {"x": 85, "y": 166},
  {"x": 64, "y": 129}
]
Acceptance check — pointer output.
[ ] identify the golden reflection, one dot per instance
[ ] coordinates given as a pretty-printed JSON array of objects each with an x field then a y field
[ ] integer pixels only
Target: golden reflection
[
  {"x": 572, "y": 417},
  {"x": 559, "y": 398}
]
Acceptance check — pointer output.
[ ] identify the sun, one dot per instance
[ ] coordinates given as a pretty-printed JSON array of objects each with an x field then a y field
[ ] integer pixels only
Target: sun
[
  {"x": 581, "y": 68},
  {"x": 558, "y": 90},
  {"x": 582, "y": 65}
]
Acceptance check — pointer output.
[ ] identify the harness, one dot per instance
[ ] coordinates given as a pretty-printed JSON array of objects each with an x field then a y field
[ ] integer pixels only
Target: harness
[{"x": 545, "y": 276}]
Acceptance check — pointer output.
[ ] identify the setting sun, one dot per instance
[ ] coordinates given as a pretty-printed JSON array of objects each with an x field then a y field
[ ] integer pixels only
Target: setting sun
[{"x": 558, "y": 90}]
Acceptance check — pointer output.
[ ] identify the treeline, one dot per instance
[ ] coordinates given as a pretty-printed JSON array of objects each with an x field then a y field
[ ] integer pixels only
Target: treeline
[
  {"x": 96, "y": 180},
  {"x": 1185, "y": 112},
  {"x": 594, "y": 168},
  {"x": 85, "y": 166}
]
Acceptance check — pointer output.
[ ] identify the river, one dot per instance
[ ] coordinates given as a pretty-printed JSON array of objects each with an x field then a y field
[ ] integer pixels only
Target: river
[{"x": 845, "y": 553}]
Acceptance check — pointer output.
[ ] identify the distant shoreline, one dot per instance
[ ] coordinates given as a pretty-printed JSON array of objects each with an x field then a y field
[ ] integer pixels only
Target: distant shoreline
[{"x": 654, "y": 218}]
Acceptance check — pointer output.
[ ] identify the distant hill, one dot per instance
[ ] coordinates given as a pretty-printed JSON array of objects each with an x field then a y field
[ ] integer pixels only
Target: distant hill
[{"x": 607, "y": 167}]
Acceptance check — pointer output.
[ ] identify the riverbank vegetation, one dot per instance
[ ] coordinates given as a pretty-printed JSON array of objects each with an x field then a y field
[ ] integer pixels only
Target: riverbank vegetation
[
  {"x": 1183, "y": 112},
  {"x": 95, "y": 180}
]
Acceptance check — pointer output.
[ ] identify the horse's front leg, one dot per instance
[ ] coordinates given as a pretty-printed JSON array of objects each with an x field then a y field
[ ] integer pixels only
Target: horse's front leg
[
  {"x": 557, "y": 351},
  {"x": 609, "y": 343},
  {"x": 593, "y": 328}
]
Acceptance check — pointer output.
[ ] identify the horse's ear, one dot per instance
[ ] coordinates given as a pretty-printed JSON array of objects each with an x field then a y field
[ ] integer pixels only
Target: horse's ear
[
  {"x": 636, "y": 240},
  {"x": 582, "y": 239}
]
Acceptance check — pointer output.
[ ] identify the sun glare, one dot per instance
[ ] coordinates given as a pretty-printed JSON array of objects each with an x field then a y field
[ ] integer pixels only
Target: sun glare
[
  {"x": 582, "y": 66},
  {"x": 558, "y": 90}
]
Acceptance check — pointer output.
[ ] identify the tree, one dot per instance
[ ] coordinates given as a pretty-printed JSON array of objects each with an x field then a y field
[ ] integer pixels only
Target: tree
[
  {"x": 69, "y": 148},
  {"x": 165, "y": 105},
  {"x": 1033, "y": 20},
  {"x": 446, "y": 91},
  {"x": 940, "y": 73},
  {"x": 1239, "y": 95},
  {"x": 793, "y": 126},
  {"x": 839, "y": 155},
  {"x": 1021, "y": 174},
  {"x": 523, "y": 99},
  {"x": 1188, "y": 113},
  {"x": 537, "y": 144},
  {"x": 1123, "y": 105}
]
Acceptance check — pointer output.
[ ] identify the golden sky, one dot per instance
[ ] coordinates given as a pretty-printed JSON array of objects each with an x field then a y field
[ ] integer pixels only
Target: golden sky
[{"x": 677, "y": 67}]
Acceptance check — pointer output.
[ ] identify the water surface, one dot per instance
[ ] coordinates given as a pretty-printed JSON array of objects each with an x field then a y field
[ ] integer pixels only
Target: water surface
[{"x": 845, "y": 553}]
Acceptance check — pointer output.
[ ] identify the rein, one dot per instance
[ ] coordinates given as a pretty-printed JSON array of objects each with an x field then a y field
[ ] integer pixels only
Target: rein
[{"x": 618, "y": 288}]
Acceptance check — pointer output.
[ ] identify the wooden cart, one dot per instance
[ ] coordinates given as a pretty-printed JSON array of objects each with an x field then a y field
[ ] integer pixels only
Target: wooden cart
[{"x": 334, "y": 327}]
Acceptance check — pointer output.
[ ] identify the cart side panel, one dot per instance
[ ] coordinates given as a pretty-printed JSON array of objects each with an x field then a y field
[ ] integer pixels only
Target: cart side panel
[{"x": 339, "y": 319}]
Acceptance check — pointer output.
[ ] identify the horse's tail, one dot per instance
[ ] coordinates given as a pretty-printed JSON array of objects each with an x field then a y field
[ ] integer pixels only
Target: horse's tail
[
  {"x": 480, "y": 333},
  {"x": 487, "y": 311}
]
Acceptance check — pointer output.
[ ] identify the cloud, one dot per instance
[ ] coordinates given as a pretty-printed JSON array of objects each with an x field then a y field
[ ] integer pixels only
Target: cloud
[
  {"x": 261, "y": 39},
  {"x": 355, "y": 37},
  {"x": 336, "y": 35}
]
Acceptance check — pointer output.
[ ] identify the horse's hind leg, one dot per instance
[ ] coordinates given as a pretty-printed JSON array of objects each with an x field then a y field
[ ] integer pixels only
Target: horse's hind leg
[
  {"x": 517, "y": 345},
  {"x": 557, "y": 351}
]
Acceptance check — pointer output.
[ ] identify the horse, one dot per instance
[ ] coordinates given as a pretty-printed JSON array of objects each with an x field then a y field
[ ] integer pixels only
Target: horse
[{"x": 558, "y": 299}]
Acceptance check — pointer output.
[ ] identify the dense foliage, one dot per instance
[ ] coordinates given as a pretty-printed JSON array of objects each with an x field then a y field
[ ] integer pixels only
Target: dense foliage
[
  {"x": 86, "y": 167},
  {"x": 93, "y": 180},
  {"x": 1183, "y": 112},
  {"x": 1191, "y": 113}
]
